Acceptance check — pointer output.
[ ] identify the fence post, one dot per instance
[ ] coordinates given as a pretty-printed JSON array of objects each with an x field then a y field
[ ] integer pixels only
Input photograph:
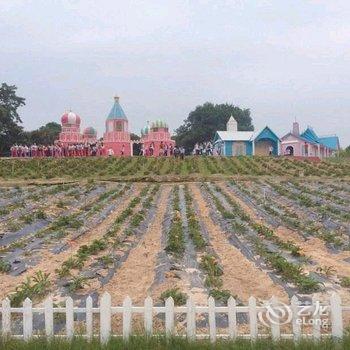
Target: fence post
[
  {"x": 253, "y": 322},
  {"x": 6, "y": 317},
  {"x": 295, "y": 318},
  {"x": 191, "y": 319},
  {"x": 89, "y": 319},
  {"x": 48, "y": 317},
  {"x": 336, "y": 316},
  {"x": 148, "y": 316},
  {"x": 127, "y": 304},
  {"x": 275, "y": 326},
  {"x": 232, "y": 318},
  {"x": 316, "y": 327},
  {"x": 69, "y": 318},
  {"x": 105, "y": 318},
  {"x": 27, "y": 319},
  {"x": 212, "y": 319},
  {"x": 169, "y": 317}
]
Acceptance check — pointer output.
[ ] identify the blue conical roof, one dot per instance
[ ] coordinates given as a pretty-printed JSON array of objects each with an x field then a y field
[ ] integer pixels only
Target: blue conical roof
[{"x": 117, "y": 111}]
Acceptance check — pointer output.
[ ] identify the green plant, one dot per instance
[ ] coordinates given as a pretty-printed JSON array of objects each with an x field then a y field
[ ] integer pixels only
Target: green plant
[
  {"x": 106, "y": 260},
  {"x": 220, "y": 295},
  {"x": 33, "y": 287},
  {"x": 210, "y": 265},
  {"x": 176, "y": 294},
  {"x": 176, "y": 240},
  {"x": 63, "y": 271},
  {"x": 345, "y": 282},
  {"x": 40, "y": 214},
  {"x": 326, "y": 270},
  {"x": 78, "y": 282},
  {"x": 5, "y": 266}
]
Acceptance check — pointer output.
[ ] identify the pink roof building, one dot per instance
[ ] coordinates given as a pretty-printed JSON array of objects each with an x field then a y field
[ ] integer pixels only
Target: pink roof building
[
  {"x": 308, "y": 145},
  {"x": 117, "y": 139}
]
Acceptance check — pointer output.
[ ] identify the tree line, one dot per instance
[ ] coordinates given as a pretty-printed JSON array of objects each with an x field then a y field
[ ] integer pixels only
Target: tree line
[{"x": 11, "y": 130}]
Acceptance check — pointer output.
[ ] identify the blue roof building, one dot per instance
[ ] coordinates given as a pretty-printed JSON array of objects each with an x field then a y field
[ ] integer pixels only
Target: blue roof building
[{"x": 247, "y": 143}]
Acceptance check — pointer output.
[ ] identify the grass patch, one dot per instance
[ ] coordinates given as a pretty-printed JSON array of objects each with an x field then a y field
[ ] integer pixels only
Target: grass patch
[{"x": 175, "y": 343}]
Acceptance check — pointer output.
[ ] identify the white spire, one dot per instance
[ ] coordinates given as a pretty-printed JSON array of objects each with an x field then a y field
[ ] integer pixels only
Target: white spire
[{"x": 232, "y": 125}]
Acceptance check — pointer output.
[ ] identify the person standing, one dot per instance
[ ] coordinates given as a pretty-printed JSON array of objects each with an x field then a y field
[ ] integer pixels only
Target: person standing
[
  {"x": 182, "y": 152},
  {"x": 110, "y": 152}
]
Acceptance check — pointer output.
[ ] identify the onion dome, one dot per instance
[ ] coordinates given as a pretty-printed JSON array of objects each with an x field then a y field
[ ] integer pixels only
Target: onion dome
[
  {"x": 159, "y": 124},
  {"x": 146, "y": 129},
  {"x": 90, "y": 131},
  {"x": 70, "y": 118}
]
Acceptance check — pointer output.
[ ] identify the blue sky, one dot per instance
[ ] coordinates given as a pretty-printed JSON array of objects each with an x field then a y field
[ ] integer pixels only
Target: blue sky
[{"x": 282, "y": 59}]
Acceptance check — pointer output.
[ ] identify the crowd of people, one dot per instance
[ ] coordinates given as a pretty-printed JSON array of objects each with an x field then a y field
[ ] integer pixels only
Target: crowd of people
[
  {"x": 97, "y": 149},
  {"x": 58, "y": 150},
  {"x": 206, "y": 149},
  {"x": 164, "y": 150}
]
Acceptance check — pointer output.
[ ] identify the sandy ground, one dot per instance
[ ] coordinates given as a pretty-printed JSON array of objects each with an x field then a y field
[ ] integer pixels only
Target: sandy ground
[
  {"x": 49, "y": 261},
  {"x": 241, "y": 277},
  {"x": 136, "y": 275},
  {"x": 313, "y": 247}
]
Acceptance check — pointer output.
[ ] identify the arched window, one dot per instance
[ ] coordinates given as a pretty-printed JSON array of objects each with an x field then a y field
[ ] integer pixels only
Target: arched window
[{"x": 290, "y": 150}]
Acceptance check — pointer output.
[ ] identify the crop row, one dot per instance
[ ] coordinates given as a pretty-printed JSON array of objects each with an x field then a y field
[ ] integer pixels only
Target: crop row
[
  {"x": 290, "y": 218},
  {"x": 305, "y": 201},
  {"x": 140, "y": 166},
  {"x": 290, "y": 271},
  {"x": 58, "y": 228},
  {"x": 209, "y": 262},
  {"x": 111, "y": 239},
  {"x": 77, "y": 261}
]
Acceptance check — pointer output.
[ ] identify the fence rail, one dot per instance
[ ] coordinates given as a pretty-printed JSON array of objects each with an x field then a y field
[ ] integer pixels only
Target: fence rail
[{"x": 273, "y": 315}]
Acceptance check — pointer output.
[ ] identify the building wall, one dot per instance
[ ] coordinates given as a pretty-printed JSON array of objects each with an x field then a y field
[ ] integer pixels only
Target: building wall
[
  {"x": 300, "y": 151},
  {"x": 249, "y": 148},
  {"x": 117, "y": 148},
  {"x": 230, "y": 148},
  {"x": 157, "y": 138}
]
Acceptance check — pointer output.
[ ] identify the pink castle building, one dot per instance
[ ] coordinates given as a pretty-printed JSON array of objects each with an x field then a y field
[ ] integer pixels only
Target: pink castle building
[
  {"x": 308, "y": 144},
  {"x": 117, "y": 139},
  {"x": 157, "y": 136},
  {"x": 90, "y": 135},
  {"x": 70, "y": 132}
]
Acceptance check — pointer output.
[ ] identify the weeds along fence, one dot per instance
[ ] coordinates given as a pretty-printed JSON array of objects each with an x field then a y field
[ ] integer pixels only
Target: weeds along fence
[{"x": 275, "y": 317}]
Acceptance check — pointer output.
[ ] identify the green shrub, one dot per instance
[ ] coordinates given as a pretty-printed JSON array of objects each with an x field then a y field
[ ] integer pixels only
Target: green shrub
[
  {"x": 176, "y": 294},
  {"x": 5, "y": 266}
]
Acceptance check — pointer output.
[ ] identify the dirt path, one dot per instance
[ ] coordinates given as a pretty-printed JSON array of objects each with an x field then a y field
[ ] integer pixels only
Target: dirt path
[
  {"x": 136, "y": 275},
  {"x": 313, "y": 247},
  {"x": 241, "y": 277},
  {"x": 50, "y": 261}
]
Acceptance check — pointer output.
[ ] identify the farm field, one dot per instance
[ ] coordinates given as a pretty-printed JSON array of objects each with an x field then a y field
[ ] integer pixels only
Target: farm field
[
  {"x": 237, "y": 237},
  {"x": 168, "y": 169}
]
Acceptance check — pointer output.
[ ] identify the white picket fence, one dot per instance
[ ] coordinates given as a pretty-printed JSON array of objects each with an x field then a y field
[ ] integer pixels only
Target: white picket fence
[{"x": 105, "y": 311}]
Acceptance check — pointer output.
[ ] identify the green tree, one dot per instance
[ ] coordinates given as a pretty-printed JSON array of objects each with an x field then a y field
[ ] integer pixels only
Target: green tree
[
  {"x": 205, "y": 120},
  {"x": 10, "y": 131},
  {"x": 345, "y": 152},
  {"x": 45, "y": 135}
]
